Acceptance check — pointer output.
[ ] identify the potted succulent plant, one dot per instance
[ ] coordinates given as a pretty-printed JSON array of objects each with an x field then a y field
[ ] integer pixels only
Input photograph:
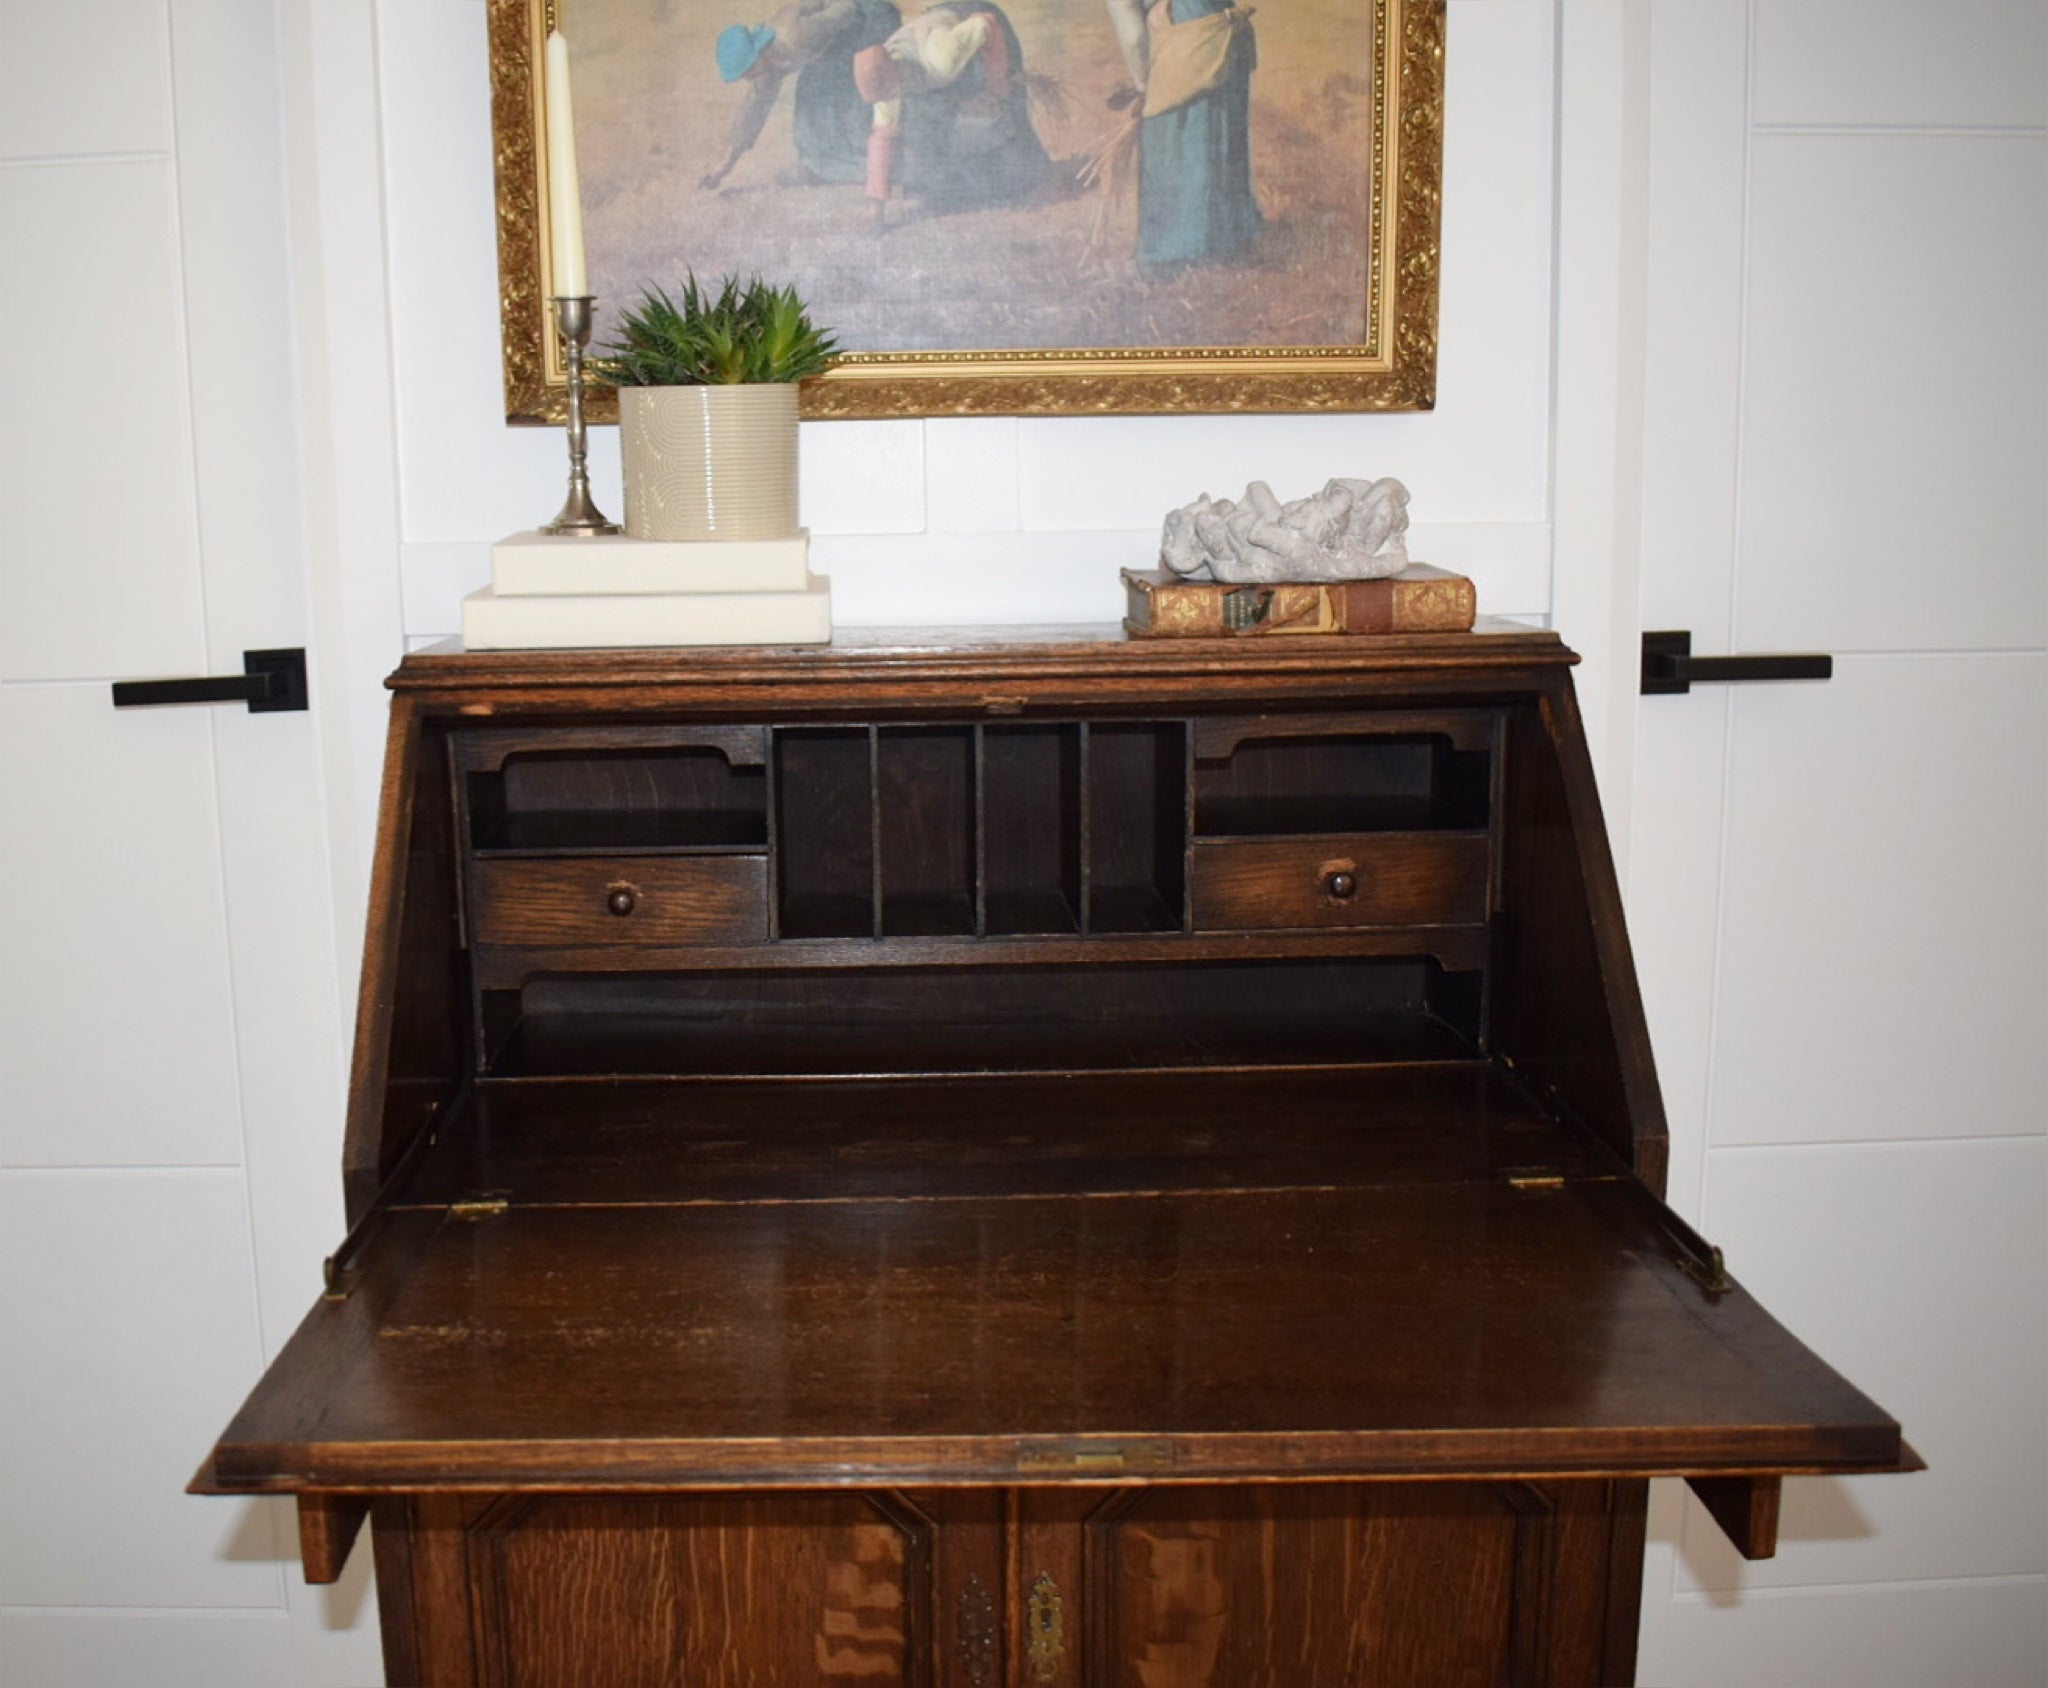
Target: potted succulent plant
[{"x": 707, "y": 408}]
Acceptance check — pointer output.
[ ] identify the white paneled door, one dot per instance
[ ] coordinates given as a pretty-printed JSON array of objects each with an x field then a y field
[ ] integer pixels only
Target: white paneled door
[
  {"x": 1836, "y": 889},
  {"x": 170, "y": 1022}
]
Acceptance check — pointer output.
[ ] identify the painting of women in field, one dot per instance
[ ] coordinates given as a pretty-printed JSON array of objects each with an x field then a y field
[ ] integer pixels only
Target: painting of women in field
[{"x": 966, "y": 175}]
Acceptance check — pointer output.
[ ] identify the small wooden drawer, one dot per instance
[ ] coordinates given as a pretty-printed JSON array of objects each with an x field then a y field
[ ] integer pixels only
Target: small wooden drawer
[
  {"x": 622, "y": 900},
  {"x": 1355, "y": 879}
]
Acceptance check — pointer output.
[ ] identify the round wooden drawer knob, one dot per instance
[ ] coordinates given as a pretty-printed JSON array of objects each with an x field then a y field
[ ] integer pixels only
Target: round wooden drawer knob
[
  {"x": 1343, "y": 886},
  {"x": 620, "y": 899}
]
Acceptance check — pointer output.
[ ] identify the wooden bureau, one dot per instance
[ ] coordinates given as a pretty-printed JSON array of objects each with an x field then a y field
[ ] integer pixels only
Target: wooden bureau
[{"x": 1017, "y": 1159}]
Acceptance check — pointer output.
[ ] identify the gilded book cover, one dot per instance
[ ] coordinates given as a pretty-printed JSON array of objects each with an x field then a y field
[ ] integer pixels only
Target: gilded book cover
[{"x": 1420, "y": 599}]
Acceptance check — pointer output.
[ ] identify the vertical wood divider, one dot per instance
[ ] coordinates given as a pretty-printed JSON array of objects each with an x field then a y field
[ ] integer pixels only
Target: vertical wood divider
[
  {"x": 771, "y": 794},
  {"x": 1496, "y": 807},
  {"x": 1496, "y": 811},
  {"x": 874, "y": 831},
  {"x": 978, "y": 773},
  {"x": 1187, "y": 826},
  {"x": 464, "y": 825},
  {"x": 1087, "y": 819}
]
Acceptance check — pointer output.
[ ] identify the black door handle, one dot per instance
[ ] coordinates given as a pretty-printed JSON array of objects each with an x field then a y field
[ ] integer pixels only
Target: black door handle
[
  {"x": 1670, "y": 666},
  {"x": 270, "y": 681}
]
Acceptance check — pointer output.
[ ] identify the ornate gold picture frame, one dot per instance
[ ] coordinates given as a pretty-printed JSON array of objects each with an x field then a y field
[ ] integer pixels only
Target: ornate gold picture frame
[{"x": 987, "y": 209}]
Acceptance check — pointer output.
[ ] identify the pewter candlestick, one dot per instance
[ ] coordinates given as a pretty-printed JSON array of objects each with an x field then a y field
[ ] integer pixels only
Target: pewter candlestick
[{"x": 580, "y": 517}]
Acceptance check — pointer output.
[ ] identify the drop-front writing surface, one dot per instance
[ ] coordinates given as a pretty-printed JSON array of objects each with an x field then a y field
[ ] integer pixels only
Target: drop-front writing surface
[{"x": 1013, "y": 1159}]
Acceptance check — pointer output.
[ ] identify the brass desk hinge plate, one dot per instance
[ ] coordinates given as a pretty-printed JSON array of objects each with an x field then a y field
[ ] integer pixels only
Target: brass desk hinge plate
[
  {"x": 1097, "y": 1459},
  {"x": 1711, "y": 1274},
  {"x": 1534, "y": 1178},
  {"x": 488, "y": 1205}
]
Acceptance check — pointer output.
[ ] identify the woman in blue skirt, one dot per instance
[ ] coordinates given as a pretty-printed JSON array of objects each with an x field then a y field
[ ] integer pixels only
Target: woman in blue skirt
[{"x": 1194, "y": 61}]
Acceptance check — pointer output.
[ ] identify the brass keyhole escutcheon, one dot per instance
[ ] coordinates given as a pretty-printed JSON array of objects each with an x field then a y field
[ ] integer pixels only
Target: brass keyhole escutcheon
[
  {"x": 1045, "y": 1625},
  {"x": 620, "y": 899}
]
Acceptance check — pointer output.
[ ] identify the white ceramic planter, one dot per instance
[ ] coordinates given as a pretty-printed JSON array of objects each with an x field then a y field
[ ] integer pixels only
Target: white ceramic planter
[{"x": 709, "y": 462}]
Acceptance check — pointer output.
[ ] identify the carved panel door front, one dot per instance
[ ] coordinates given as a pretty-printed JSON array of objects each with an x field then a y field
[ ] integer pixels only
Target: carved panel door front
[
  {"x": 1300, "y": 1585},
  {"x": 704, "y": 1590},
  {"x": 1317, "y": 1585}
]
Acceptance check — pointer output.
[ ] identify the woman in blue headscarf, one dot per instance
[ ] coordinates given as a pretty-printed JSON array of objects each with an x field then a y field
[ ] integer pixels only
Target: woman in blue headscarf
[{"x": 815, "y": 40}]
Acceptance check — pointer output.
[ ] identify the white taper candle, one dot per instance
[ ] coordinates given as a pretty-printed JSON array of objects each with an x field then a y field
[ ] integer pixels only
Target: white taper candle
[{"x": 567, "y": 275}]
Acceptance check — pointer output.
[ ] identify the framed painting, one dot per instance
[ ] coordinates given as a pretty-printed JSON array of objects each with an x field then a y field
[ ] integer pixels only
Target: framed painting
[{"x": 1031, "y": 207}]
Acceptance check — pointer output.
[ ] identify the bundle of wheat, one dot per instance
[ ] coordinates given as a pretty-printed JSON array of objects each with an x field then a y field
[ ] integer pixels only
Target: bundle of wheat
[{"x": 1108, "y": 168}]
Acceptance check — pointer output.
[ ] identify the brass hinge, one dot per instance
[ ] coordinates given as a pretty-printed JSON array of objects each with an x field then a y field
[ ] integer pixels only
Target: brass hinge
[
  {"x": 1531, "y": 1179},
  {"x": 1102, "y": 1459},
  {"x": 333, "y": 1278},
  {"x": 486, "y": 1206},
  {"x": 1711, "y": 1274}
]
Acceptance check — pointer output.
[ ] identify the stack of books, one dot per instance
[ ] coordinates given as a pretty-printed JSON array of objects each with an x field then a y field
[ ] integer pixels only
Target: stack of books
[
  {"x": 614, "y": 592},
  {"x": 1419, "y": 599}
]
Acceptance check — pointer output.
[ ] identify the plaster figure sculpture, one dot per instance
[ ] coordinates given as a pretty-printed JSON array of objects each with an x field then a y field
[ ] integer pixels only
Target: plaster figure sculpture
[{"x": 1351, "y": 530}]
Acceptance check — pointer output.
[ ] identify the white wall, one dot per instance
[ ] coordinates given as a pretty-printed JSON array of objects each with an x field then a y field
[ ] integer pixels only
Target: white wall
[{"x": 993, "y": 520}]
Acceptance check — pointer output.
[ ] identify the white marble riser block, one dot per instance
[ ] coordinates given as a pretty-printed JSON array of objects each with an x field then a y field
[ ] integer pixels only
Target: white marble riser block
[
  {"x": 538, "y": 564},
  {"x": 616, "y": 621}
]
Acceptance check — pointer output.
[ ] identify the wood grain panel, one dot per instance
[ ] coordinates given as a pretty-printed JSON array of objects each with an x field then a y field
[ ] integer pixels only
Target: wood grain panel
[
  {"x": 546, "y": 1141},
  {"x": 1400, "y": 879},
  {"x": 698, "y": 1591},
  {"x": 1566, "y": 1008},
  {"x": 412, "y": 1039},
  {"x": 486, "y": 750},
  {"x": 666, "y": 900},
  {"x": 996, "y": 668},
  {"x": 1445, "y": 1329},
  {"x": 1316, "y": 1587},
  {"x": 1467, "y": 729}
]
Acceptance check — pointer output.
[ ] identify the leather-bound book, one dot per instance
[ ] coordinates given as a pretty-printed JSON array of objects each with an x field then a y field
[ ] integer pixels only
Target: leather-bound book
[{"x": 1420, "y": 599}]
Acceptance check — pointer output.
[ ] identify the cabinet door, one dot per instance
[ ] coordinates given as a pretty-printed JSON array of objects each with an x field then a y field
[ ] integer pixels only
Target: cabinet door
[
  {"x": 1325, "y": 1584},
  {"x": 1305, "y": 1585},
  {"x": 705, "y": 1590}
]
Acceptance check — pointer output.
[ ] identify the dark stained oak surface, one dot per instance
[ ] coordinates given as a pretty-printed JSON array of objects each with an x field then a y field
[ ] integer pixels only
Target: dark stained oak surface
[
  {"x": 959, "y": 657},
  {"x": 1484, "y": 1309},
  {"x": 659, "y": 1142},
  {"x": 597, "y": 1044},
  {"x": 621, "y": 899},
  {"x": 1392, "y": 879}
]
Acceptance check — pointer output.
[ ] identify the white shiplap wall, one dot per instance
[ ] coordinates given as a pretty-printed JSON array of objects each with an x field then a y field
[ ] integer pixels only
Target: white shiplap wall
[{"x": 965, "y": 520}]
